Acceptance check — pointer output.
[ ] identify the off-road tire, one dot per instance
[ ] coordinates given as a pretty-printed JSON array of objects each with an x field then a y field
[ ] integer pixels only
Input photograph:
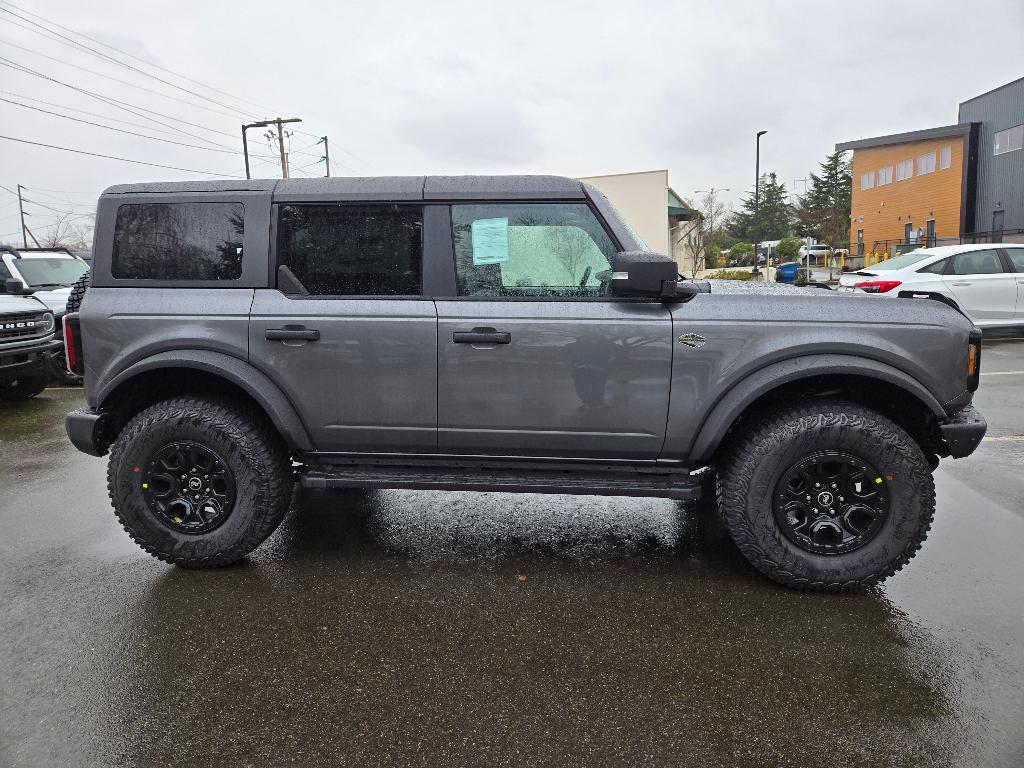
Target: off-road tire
[
  {"x": 78, "y": 291},
  {"x": 250, "y": 448},
  {"x": 756, "y": 458},
  {"x": 25, "y": 387}
]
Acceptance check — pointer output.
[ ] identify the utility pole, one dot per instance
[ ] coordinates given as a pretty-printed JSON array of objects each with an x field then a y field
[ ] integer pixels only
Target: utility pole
[
  {"x": 279, "y": 122},
  {"x": 327, "y": 155},
  {"x": 25, "y": 231}
]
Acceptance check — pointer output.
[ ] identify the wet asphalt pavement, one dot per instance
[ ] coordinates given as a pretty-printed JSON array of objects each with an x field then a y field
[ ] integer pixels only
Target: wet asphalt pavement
[{"x": 414, "y": 628}]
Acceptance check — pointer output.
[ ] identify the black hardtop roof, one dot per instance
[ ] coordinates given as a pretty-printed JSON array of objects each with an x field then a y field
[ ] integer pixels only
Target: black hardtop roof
[{"x": 378, "y": 188}]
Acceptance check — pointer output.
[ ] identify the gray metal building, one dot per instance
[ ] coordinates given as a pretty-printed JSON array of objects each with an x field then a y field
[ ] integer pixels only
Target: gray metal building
[{"x": 999, "y": 199}]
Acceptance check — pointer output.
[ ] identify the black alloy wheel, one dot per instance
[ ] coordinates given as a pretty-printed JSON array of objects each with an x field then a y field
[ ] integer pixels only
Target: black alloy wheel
[
  {"x": 830, "y": 503},
  {"x": 188, "y": 487}
]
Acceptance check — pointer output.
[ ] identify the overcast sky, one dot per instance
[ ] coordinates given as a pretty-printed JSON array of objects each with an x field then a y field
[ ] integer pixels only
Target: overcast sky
[{"x": 573, "y": 88}]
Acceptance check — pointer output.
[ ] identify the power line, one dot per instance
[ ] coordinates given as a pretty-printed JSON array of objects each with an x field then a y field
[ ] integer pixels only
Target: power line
[
  {"x": 130, "y": 108},
  {"x": 170, "y": 130},
  {"x": 137, "y": 58},
  {"x": 121, "y": 130},
  {"x": 113, "y": 59},
  {"x": 118, "y": 80},
  {"x": 122, "y": 159}
]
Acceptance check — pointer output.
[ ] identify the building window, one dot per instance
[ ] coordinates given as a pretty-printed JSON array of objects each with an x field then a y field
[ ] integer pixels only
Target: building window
[
  {"x": 1009, "y": 140},
  {"x": 945, "y": 157},
  {"x": 867, "y": 180},
  {"x": 926, "y": 164},
  {"x": 884, "y": 176},
  {"x": 904, "y": 170}
]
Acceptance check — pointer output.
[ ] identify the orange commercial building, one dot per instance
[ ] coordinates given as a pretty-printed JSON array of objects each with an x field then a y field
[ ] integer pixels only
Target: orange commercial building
[{"x": 912, "y": 188}]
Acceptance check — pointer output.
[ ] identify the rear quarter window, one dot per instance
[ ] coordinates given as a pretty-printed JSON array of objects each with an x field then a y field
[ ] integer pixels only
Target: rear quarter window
[{"x": 178, "y": 241}]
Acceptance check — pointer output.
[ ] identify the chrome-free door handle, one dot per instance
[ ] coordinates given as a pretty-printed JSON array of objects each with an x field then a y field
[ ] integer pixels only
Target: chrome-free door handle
[
  {"x": 961, "y": 283},
  {"x": 293, "y": 333},
  {"x": 481, "y": 336}
]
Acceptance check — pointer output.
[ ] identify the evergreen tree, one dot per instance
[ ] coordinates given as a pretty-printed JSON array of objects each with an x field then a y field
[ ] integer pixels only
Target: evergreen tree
[
  {"x": 774, "y": 215},
  {"x": 824, "y": 212}
]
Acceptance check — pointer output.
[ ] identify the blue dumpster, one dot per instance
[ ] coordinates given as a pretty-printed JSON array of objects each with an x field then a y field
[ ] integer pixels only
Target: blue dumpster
[{"x": 786, "y": 273}]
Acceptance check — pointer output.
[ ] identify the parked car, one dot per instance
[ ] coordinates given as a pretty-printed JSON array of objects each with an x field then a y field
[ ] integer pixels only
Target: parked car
[
  {"x": 495, "y": 334},
  {"x": 817, "y": 253},
  {"x": 985, "y": 282},
  {"x": 26, "y": 340},
  {"x": 47, "y": 274}
]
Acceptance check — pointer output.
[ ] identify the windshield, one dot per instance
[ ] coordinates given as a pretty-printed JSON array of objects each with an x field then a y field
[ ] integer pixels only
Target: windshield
[
  {"x": 50, "y": 271},
  {"x": 899, "y": 262}
]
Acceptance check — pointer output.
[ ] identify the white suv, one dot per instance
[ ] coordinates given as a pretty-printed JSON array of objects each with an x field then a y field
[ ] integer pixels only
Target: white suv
[
  {"x": 986, "y": 282},
  {"x": 46, "y": 273}
]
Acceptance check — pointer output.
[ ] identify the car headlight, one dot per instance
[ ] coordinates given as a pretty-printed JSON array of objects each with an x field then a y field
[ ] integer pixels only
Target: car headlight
[{"x": 46, "y": 323}]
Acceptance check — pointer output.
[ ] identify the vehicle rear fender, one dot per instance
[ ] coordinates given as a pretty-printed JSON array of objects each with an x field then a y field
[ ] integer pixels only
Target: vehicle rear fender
[
  {"x": 761, "y": 382},
  {"x": 257, "y": 385}
]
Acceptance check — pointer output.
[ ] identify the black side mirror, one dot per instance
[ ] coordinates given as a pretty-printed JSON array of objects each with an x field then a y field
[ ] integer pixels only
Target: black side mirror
[
  {"x": 14, "y": 286},
  {"x": 639, "y": 273}
]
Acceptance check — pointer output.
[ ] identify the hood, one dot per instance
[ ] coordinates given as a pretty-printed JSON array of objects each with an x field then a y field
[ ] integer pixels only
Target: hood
[
  {"x": 56, "y": 299},
  {"x": 12, "y": 304},
  {"x": 757, "y": 288}
]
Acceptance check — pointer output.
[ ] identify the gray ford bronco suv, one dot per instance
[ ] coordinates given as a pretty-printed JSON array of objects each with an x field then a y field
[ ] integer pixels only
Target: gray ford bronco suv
[{"x": 501, "y": 334}]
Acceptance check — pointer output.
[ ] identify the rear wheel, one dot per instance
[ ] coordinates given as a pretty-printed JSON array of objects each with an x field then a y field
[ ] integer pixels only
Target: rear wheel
[
  {"x": 829, "y": 497},
  {"x": 24, "y": 387},
  {"x": 199, "y": 482}
]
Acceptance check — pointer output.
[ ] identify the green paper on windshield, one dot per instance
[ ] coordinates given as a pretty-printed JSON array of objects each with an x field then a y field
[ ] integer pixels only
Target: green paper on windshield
[{"x": 490, "y": 241}]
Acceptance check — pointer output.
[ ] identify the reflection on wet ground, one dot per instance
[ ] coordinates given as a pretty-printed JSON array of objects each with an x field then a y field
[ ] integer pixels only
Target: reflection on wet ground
[{"x": 443, "y": 628}]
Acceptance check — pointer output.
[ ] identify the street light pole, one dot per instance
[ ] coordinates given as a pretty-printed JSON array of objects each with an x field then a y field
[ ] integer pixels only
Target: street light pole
[{"x": 757, "y": 199}]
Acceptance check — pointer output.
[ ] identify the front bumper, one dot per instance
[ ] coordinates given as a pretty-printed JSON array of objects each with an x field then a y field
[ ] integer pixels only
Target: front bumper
[
  {"x": 15, "y": 362},
  {"x": 85, "y": 430},
  {"x": 964, "y": 432}
]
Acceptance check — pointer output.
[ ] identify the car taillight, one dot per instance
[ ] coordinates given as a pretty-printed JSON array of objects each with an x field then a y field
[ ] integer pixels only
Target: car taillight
[
  {"x": 877, "y": 286},
  {"x": 974, "y": 360},
  {"x": 72, "y": 342}
]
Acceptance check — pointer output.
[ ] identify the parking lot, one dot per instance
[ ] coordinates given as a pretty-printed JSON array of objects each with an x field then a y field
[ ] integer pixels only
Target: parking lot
[{"x": 422, "y": 628}]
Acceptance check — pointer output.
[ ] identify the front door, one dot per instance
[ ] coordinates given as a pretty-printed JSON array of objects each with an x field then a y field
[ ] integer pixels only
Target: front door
[
  {"x": 983, "y": 289},
  {"x": 347, "y": 334},
  {"x": 534, "y": 358}
]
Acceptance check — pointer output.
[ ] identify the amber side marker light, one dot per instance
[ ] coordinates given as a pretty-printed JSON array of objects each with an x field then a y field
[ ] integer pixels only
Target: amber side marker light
[{"x": 974, "y": 360}]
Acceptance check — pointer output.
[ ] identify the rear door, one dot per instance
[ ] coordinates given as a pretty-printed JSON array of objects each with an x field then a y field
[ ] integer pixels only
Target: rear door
[
  {"x": 983, "y": 288},
  {"x": 534, "y": 359},
  {"x": 346, "y": 332},
  {"x": 1016, "y": 259}
]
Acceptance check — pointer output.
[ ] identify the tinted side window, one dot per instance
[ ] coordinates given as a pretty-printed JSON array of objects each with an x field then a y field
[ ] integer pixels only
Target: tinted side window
[
  {"x": 1017, "y": 258},
  {"x": 977, "y": 263},
  {"x": 938, "y": 268},
  {"x": 353, "y": 250},
  {"x": 178, "y": 241},
  {"x": 530, "y": 249}
]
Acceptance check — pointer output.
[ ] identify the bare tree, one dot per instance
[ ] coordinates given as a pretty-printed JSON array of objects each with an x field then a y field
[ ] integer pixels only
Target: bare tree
[
  {"x": 64, "y": 233},
  {"x": 698, "y": 233},
  {"x": 571, "y": 246}
]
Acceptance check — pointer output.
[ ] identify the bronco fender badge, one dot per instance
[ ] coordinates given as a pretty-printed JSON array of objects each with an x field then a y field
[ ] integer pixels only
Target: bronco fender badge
[{"x": 691, "y": 340}]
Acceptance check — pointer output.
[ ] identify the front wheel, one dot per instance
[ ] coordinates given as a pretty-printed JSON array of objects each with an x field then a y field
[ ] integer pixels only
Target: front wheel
[
  {"x": 827, "y": 497},
  {"x": 199, "y": 482}
]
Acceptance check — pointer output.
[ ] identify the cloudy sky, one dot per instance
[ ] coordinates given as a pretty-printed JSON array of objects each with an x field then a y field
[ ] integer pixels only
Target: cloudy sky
[{"x": 574, "y": 88}]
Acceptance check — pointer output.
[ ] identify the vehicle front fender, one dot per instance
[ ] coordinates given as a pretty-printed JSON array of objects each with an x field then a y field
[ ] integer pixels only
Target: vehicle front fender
[{"x": 729, "y": 407}]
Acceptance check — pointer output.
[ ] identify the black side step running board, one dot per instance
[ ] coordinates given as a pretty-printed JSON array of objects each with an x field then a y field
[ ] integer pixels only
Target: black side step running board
[{"x": 669, "y": 485}]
